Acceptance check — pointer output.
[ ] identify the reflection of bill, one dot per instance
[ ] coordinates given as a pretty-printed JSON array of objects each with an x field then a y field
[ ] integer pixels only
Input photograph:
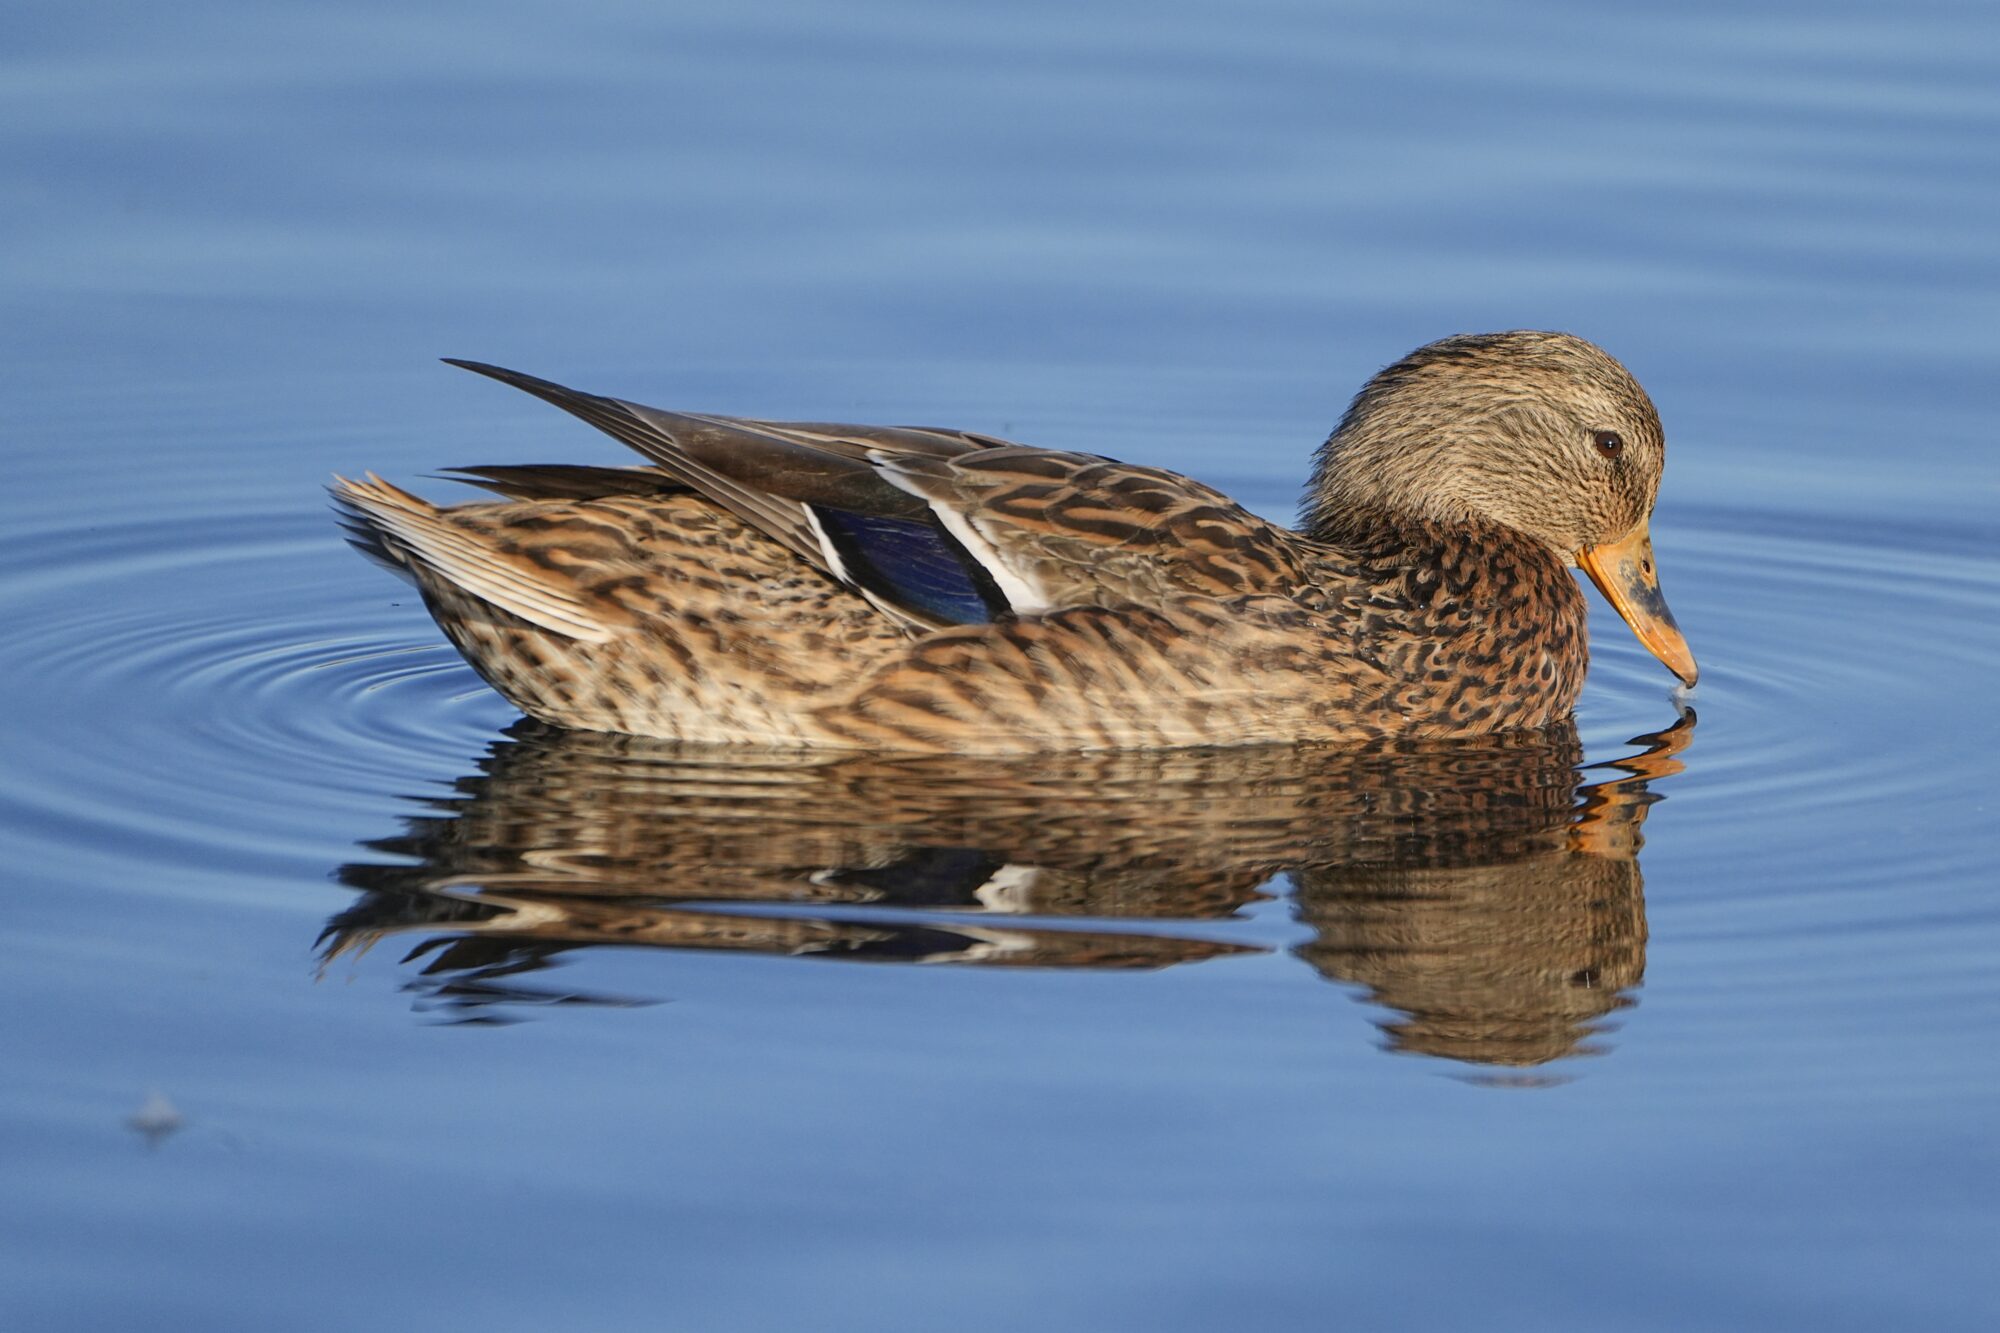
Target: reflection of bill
[{"x": 1484, "y": 888}]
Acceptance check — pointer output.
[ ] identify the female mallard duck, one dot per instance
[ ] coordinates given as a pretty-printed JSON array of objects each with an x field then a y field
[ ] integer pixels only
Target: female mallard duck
[{"x": 888, "y": 587}]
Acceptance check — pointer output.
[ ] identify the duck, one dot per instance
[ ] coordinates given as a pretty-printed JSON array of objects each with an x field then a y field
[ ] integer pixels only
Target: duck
[{"x": 800, "y": 584}]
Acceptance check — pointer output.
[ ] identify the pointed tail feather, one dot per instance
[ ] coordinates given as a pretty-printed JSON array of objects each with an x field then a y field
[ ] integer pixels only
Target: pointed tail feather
[{"x": 392, "y": 523}]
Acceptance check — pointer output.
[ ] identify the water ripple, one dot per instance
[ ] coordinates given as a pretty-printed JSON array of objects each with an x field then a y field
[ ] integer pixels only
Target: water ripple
[
  {"x": 1839, "y": 660},
  {"x": 228, "y": 685},
  {"x": 232, "y": 683}
]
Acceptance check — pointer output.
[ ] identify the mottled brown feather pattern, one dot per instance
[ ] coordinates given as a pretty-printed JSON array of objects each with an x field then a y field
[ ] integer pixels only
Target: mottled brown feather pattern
[
  {"x": 1083, "y": 531},
  {"x": 1428, "y": 594}
]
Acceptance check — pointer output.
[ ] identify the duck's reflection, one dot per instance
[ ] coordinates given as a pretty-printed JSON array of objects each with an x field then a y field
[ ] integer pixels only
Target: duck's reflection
[{"x": 1486, "y": 891}]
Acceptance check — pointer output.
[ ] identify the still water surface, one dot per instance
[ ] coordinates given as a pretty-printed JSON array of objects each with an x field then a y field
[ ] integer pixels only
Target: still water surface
[{"x": 1686, "y": 1018}]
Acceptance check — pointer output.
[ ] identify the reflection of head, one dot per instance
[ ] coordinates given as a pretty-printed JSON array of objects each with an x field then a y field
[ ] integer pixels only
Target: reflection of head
[{"x": 1505, "y": 964}]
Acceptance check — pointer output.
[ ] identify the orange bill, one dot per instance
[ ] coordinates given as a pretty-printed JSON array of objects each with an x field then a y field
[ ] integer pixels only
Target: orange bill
[{"x": 1623, "y": 572}]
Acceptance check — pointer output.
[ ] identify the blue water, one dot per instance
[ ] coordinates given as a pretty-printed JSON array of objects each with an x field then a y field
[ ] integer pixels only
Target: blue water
[{"x": 457, "y": 1023}]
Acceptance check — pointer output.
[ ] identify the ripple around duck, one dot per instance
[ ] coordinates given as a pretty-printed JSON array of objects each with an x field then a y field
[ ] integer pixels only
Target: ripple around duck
[
  {"x": 231, "y": 683},
  {"x": 221, "y": 686},
  {"x": 1838, "y": 665}
]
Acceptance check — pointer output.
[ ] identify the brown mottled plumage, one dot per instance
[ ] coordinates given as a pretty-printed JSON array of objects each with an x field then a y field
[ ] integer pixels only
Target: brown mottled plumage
[{"x": 895, "y": 588}]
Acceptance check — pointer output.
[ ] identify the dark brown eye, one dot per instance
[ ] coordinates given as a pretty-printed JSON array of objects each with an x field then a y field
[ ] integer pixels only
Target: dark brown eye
[{"x": 1608, "y": 443}]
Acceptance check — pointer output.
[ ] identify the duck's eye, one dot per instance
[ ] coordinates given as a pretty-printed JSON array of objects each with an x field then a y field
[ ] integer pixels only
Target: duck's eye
[{"x": 1608, "y": 442}]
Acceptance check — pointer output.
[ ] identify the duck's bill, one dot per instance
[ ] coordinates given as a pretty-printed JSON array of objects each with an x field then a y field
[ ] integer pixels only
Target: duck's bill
[{"x": 1623, "y": 571}]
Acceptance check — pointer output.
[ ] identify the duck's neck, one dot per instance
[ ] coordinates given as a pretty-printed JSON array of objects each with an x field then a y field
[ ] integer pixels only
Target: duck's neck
[
  {"x": 1472, "y": 560},
  {"x": 1382, "y": 533},
  {"x": 1492, "y": 614}
]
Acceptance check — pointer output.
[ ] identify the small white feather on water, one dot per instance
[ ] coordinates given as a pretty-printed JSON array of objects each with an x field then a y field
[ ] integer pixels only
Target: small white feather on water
[{"x": 156, "y": 1118}]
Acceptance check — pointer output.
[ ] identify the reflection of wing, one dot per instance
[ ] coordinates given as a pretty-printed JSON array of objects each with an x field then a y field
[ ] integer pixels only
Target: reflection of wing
[{"x": 1452, "y": 878}]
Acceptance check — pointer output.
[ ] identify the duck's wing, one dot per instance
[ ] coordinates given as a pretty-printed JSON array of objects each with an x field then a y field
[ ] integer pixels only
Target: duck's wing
[
  {"x": 565, "y": 481},
  {"x": 1060, "y": 530},
  {"x": 946, "y": 527}
]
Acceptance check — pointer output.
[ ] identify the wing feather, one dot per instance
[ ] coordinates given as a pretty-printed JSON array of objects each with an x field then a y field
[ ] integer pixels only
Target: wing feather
[
  {"x": 565, "y": 481},
  {"x": 1059, "y": 530},
  {"x": 1043, "y": 529}
]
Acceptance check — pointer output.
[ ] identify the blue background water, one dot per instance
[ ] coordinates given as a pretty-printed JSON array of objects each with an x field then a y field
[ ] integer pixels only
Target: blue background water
[{"x": 237, "y": 236}]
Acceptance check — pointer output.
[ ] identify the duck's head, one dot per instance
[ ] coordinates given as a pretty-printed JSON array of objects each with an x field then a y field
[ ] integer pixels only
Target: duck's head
[{"x": 1542, "y": 433}]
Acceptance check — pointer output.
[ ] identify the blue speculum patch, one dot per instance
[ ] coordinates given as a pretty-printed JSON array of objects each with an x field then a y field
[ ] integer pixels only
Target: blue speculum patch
[{"x": 913, "y": 563}]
